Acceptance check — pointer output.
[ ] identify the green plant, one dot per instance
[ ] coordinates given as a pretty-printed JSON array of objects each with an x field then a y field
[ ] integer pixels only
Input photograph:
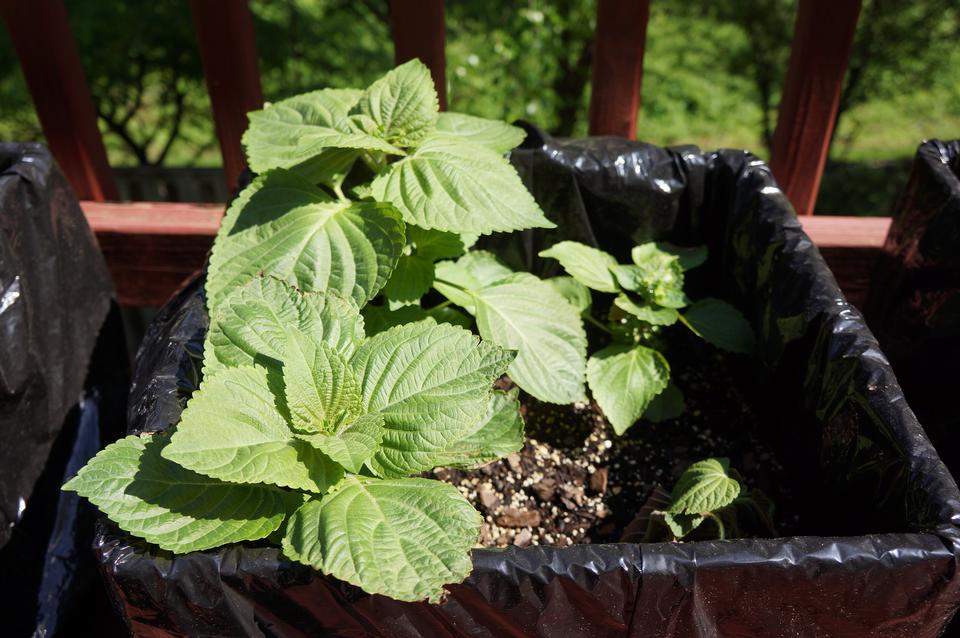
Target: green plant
[
  {"x": 318, "y": 409},
  {"x": 711, "y": 489},
  {"x": 307, "y": 429},
  {"x": 630, "y": 378}
]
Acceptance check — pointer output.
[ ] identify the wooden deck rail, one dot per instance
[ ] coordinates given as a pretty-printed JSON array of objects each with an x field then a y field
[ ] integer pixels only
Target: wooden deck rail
[{"x": 152, "y": 247}]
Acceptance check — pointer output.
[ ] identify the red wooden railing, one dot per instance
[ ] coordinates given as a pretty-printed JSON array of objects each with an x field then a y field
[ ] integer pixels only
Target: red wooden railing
[{"x": 151, "y": 248}]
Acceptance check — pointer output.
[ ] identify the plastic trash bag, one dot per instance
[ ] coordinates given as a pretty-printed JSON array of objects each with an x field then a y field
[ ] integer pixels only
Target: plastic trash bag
[{"x": 883, "y": 507}]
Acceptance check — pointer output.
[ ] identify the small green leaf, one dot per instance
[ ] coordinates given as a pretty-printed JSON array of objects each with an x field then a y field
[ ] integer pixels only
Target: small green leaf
[
  {"x": 401, "y": 107},
  {"x": 496, "y": 135},
  {"x": 456, "y": 280},
  {"x": 667, "y": 405},
  {"x": 404, "y": 538},
  {"x": 250, "y": 325},
  {"x": 651, "y": 314},
  {"x": 624, "y": 380},
  {"x": 410, "y": 280},
  {"x": 721, "y": 324},
  {"x": 320, "y": 389},
  {"x": 430, "y": 382},
  {"x": 435, "y": 244},
  {"x": 353, "y": 443},
  {"x": 297, "y": 130},
  {"x": 497, "y": 434},
  {"x": 656, "y": 275},
  {"x": 576, "y": 294},
  {"x": 179, "y": 510},
  {"x": 232, "y": 430},
  {"x": 285, "y": 226},
  {"x": 329, "y": 167},
  {"x": 527, "y": 314},
  {"x": 446, "y": 314},
  {"x": 689, "y": 256},
  {"x": 704, "y": 487},
  {"x": 453, "y": 185},
  {"x": 586, "y": 264},
  {"x": 682, "y": 524}
]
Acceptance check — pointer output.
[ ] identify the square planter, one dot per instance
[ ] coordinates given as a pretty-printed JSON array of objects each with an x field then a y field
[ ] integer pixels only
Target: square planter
[{"x": 880, "y": 506}]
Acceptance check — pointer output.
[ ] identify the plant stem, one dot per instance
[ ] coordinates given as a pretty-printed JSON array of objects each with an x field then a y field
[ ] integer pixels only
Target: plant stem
[
  {"x": 597, "y": 324},
  {"x": 440, "y": 306},
  {"x": 716, "y": 519},
  {"x": 684, "y": 321},
  {"x": 451, "y": 284},
  {"x": 339, "y": 191}
]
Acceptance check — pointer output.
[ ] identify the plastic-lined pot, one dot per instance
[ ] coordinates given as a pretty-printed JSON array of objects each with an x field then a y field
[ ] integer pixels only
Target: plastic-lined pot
[
  {"x": 879, "y": 506},
  {"x": 914, "y": 300},
  {"x": 63, "y": 378}
]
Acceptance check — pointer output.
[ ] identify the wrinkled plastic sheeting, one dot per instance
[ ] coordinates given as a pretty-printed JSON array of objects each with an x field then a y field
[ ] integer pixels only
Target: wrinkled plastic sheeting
[
  {"x": 913, "y": 304},
  {"x": 63, "y": 379},
  {"x": 882, "y": 506},
  {"x": 54, "y": 295}
]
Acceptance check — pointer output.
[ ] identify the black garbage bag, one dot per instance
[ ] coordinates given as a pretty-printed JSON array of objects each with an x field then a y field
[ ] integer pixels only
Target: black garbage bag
[
  {"x": 913, "y": 305},
  {"x": 882, "y": 506},
  {"x": 63, "y": 379}
]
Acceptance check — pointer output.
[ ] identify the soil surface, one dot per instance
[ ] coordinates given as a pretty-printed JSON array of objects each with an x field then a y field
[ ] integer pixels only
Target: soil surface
[{"x": 576, "y": 481}]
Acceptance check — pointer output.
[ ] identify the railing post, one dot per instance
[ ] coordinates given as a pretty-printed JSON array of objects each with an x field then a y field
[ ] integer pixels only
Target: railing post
[
  {"x": 229, "y": 54},
  {"x": 419, "y": 32},
  {"x": 618, "y": 66},
  {"x": 40, "y": 32},
  {"x": 822, "y": 40}
]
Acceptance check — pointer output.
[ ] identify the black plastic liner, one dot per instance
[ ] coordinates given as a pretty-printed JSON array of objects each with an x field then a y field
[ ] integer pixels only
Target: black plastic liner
[
  {"x": 63, "y": 380},
  {"x": 883, "y": 508},
  {"x": 913, "y": 304}
]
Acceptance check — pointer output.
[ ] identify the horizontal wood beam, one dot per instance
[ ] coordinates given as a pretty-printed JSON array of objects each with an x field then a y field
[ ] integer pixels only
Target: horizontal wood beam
[
  {"x": 851, "y": 246},
  {"x": 40, "y": 33},
  {"x": 151, "y": 248}
]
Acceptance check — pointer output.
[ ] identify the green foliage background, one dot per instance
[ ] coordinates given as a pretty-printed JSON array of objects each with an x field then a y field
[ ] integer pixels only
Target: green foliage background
[{"x": 712, "y": 75}]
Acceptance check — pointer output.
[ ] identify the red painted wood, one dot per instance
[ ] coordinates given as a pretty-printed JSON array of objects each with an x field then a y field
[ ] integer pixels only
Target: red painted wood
[
  {"x": 151, "y": 248},
  {"x": 419, "y": 31},
  {"x": 618, "y": 66},
  {"x": 229, "y": 54},
  {"x": 40, "y": 32},
  {"x": 822, "y": 39}
]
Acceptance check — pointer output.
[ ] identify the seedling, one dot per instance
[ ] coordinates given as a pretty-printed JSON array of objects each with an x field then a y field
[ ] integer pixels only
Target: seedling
[{"x": 630, "y": 378}]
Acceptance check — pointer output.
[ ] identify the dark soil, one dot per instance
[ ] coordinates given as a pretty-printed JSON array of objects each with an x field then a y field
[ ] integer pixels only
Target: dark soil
[{"x": 575, "y": 481}]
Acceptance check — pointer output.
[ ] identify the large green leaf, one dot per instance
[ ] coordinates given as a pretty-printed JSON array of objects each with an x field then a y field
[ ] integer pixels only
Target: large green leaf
[
  {"x": 403, "y": 538},
  {"x": 353, "y": 443},
  {"x": 411, "y": 279},
  {"x": 527, "y": 314},
  {"x": 722, "y": 325},
  {"x": 320, "y": 390},
  {"x": 497, "y": 434},
  {"x": 401, "y": 107},
  {"x": 454, "y": 185},
  {"x": 430, "y": 382},
  {"x": 286, "y": 227},
  {"x": 172, "y": 507},
  {"x": 250, "y": 325},
  {"x": 624, "y": 380},
  {"x": 586, "y": 264},
  {"x": 496, "y": 135},
  {"x": 296, "y": 130},
  {"x": 232, "y": 430}
]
